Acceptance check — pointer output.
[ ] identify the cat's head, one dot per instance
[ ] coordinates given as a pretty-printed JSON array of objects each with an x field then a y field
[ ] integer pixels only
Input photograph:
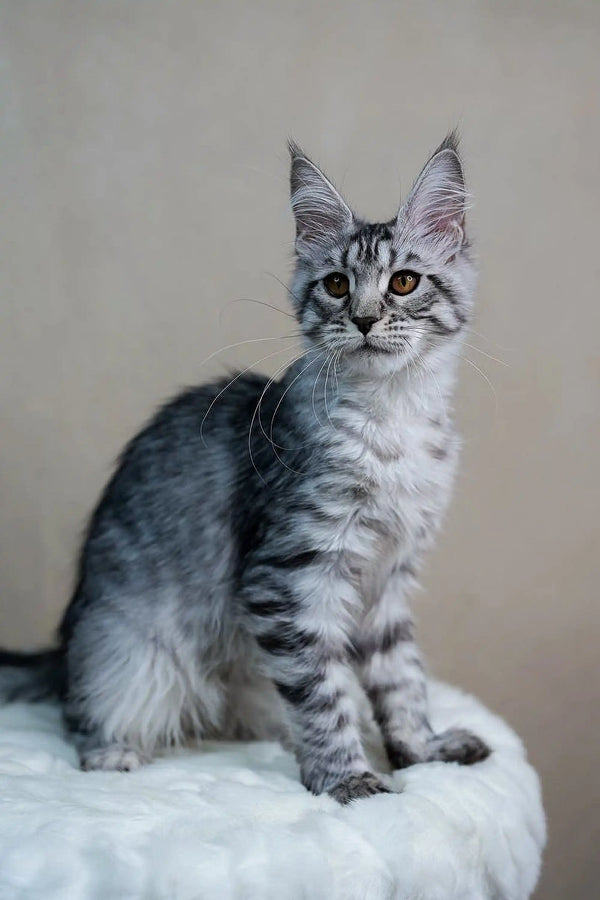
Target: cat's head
[{"x": 390, "y": 293}]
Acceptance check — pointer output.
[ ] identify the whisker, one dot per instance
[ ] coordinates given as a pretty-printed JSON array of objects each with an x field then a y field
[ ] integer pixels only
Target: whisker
[
  {"x": 485, "y": 377},
  {"x": 284, "y": 286},
  {"x": 287, "y": 364},
  {"x": 335, "y": 372},
  {"x": 313, "y": 392},
  {"x": 260, "y": 303},
  {"x": 285, "y": 337},
  {"x": 257, "y": 412},
  {"x": 325, "y": 390},
  {"x": 281, "y": 399},
  {"x": 485, "y": 338},
  {"x": 431, "y": 373},
  {"x": 420, "y": 374},
  {"x": 233, "y": 380},
  {"x": 489, "y": 356}
]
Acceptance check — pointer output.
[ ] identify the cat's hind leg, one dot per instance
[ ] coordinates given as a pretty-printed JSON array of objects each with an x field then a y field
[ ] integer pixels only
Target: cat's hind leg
[
  {"x": 115, "y": 756},
  {"x": 132, "y": 691},
  {"x": 254, "y": 709}
]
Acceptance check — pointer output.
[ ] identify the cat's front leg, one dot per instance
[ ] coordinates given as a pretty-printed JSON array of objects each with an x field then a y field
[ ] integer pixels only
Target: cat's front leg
[
  {"x": 310, "y": 668},
  {"x": 395, "y": 682},
  {"x": 392, "y": 673}
]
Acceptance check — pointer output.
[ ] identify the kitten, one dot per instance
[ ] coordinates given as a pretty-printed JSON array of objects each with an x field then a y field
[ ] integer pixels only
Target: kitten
[{"x": 259, "y": 539}]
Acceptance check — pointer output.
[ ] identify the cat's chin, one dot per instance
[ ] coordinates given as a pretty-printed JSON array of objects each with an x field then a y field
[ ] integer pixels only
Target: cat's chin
[
  {"x": 372, "y": 359},
  {"x": 375, "y": 360}
]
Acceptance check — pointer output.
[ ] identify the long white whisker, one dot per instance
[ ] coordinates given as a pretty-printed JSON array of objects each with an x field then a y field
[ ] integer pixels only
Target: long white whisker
[
  {"x": 313, "y": 392},
  {"x": 431, "y": 373},
  {"x": 485, "y": 338},
  {"x": 284, "y": 286},
  {"x": 280, "y": 401},
  {"x": 489, "y": 356},
  {"x": 485, "y": 377},
  {"x": 331, "y": 358},
  {"x": 260, "y": 303},
  {"x": 335, "y": 372},
  {"x": 286, "y": 365},
  {"x": 254, "y": 415},
  {"x": 420, "y": 374},
  {"x": 285, "y": 337},
  {"x": 233, "y": 380},
  {"x": 408, "y": 366}
]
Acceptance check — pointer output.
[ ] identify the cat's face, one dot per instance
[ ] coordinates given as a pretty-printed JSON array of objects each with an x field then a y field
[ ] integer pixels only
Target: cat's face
[{"x": 382, "y": 295}]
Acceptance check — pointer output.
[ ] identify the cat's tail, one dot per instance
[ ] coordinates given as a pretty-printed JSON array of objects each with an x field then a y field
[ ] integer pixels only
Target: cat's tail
[{"x": 31, "y": 676}]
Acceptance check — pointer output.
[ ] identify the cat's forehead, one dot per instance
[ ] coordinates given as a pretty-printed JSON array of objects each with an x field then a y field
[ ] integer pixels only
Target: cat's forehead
[{"x": 369, "y": 247}]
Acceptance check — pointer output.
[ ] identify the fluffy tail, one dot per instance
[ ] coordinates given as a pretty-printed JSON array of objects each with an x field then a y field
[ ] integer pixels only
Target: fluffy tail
[{"x": 31, "y": 676}]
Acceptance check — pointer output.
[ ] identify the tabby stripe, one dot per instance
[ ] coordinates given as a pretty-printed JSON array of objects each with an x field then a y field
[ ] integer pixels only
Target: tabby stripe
[
  {"x": 399, "y": 632},
  {"x": 413, "y": 258},
  {"x": 407, "y": 569},
  {"x": 282, "y": 642},
  {"x": 306, "y": 297},
  {"x": 325, "y": 703},
  {"x": 448, "y": 293},
  {"x": 437, "y": 452},
  {"x": 299, "y": 694},
  {"x": 377, "y": 690},
  {"x": 277, "y": 600},
  {"x": 268, "y": 608},
  {"x": 443, "y": 329},
  {"x": 321, "y": 734},
  {"x": 296, "y": 561}
]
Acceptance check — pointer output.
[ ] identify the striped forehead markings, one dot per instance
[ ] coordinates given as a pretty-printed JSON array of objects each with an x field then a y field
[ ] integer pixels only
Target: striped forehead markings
[{"x": 371, "y": 244}]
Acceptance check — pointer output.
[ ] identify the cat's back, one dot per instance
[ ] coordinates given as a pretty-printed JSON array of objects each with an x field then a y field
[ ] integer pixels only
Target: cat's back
[
  {"x": 186, "y": 451},
  {"x": 165, "y": 516}
]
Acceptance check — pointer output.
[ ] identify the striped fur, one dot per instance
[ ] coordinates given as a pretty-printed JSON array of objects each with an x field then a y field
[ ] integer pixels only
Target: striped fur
[{"x": 259, "y": 540}]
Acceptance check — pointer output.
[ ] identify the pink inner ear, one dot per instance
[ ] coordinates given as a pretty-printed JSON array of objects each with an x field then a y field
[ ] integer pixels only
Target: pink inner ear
[
  {"x": 436, "y": 207},
  {"x": 440, "y": 225},
  {"x": 441, "y": 209}
]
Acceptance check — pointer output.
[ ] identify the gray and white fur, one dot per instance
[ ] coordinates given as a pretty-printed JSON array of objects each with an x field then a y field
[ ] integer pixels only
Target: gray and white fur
[{"x": 259, "y": 539}]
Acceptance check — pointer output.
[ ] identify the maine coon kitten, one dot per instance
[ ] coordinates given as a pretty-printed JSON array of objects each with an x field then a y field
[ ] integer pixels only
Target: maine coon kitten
[{"x": 260, "y": 539}]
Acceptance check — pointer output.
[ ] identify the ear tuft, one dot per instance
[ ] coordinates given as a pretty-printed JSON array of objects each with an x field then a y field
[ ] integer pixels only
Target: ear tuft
[
  {"x": 436, "y": 206},
  {"x": 450, "y": 142},
  {"x": 295, "y": 149},
  {"x": 321, "y": 213}
]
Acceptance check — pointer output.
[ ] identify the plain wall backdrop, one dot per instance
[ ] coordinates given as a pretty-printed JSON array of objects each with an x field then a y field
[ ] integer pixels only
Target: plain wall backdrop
[{"x": 143, "y": 174}]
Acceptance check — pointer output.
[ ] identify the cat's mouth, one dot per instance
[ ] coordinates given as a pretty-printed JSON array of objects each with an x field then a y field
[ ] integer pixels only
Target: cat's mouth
[
  {"x": 372, "y": 345},
  {"x": 375, "y": 349}
]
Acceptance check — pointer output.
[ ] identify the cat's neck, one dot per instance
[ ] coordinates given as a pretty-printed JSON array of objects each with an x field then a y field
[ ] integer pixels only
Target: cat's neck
[{"x": 421, "y": 388}]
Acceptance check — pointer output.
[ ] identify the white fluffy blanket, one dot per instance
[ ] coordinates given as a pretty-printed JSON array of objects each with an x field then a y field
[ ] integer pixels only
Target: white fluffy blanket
[{"x": 232, "y": 821}]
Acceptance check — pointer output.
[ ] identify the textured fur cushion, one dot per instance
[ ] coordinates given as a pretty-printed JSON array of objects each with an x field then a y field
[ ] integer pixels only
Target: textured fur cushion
[{"x": 233, "y": 821}]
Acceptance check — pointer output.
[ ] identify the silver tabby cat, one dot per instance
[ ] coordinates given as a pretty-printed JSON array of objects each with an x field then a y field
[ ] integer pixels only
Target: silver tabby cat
[{"x": 258, "y": 541}]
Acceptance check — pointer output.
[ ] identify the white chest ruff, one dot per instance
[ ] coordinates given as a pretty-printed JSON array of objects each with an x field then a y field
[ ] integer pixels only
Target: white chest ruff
[{"x": 399, "y": 471}]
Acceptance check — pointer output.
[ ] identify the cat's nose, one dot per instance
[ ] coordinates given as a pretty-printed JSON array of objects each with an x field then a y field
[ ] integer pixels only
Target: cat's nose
[{"x": 365, "y": 323}]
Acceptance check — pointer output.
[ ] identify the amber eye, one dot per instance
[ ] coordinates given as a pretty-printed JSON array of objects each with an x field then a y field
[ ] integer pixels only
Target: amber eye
[
  {"x": 337, "y": 284},
  {"x": 404, "y": 282}
]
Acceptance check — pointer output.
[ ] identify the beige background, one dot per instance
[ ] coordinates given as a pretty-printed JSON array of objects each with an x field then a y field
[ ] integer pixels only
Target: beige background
[{"x": 144, "y": 187}]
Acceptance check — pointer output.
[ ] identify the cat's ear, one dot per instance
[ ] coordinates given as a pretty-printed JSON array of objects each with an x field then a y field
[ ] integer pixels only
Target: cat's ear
[
  {"x": 321, "y": 213},
  {"x": 435, "y": 208}
]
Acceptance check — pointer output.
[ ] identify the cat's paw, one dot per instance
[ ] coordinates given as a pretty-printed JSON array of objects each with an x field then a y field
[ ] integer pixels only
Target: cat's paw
[
  {"x": 114, "y": 758},
  {"x": 457, "y": 745},
  {"x": 356, "y": 787}
]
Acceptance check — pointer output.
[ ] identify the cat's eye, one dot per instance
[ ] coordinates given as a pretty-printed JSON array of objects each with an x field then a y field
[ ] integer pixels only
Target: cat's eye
[
  {"x": 337, "y": 284},
  {"x": 404, "y": 282}
]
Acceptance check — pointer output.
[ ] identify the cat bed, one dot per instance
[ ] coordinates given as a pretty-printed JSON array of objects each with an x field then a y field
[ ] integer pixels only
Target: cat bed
[{"x": 233, "y": 822}]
